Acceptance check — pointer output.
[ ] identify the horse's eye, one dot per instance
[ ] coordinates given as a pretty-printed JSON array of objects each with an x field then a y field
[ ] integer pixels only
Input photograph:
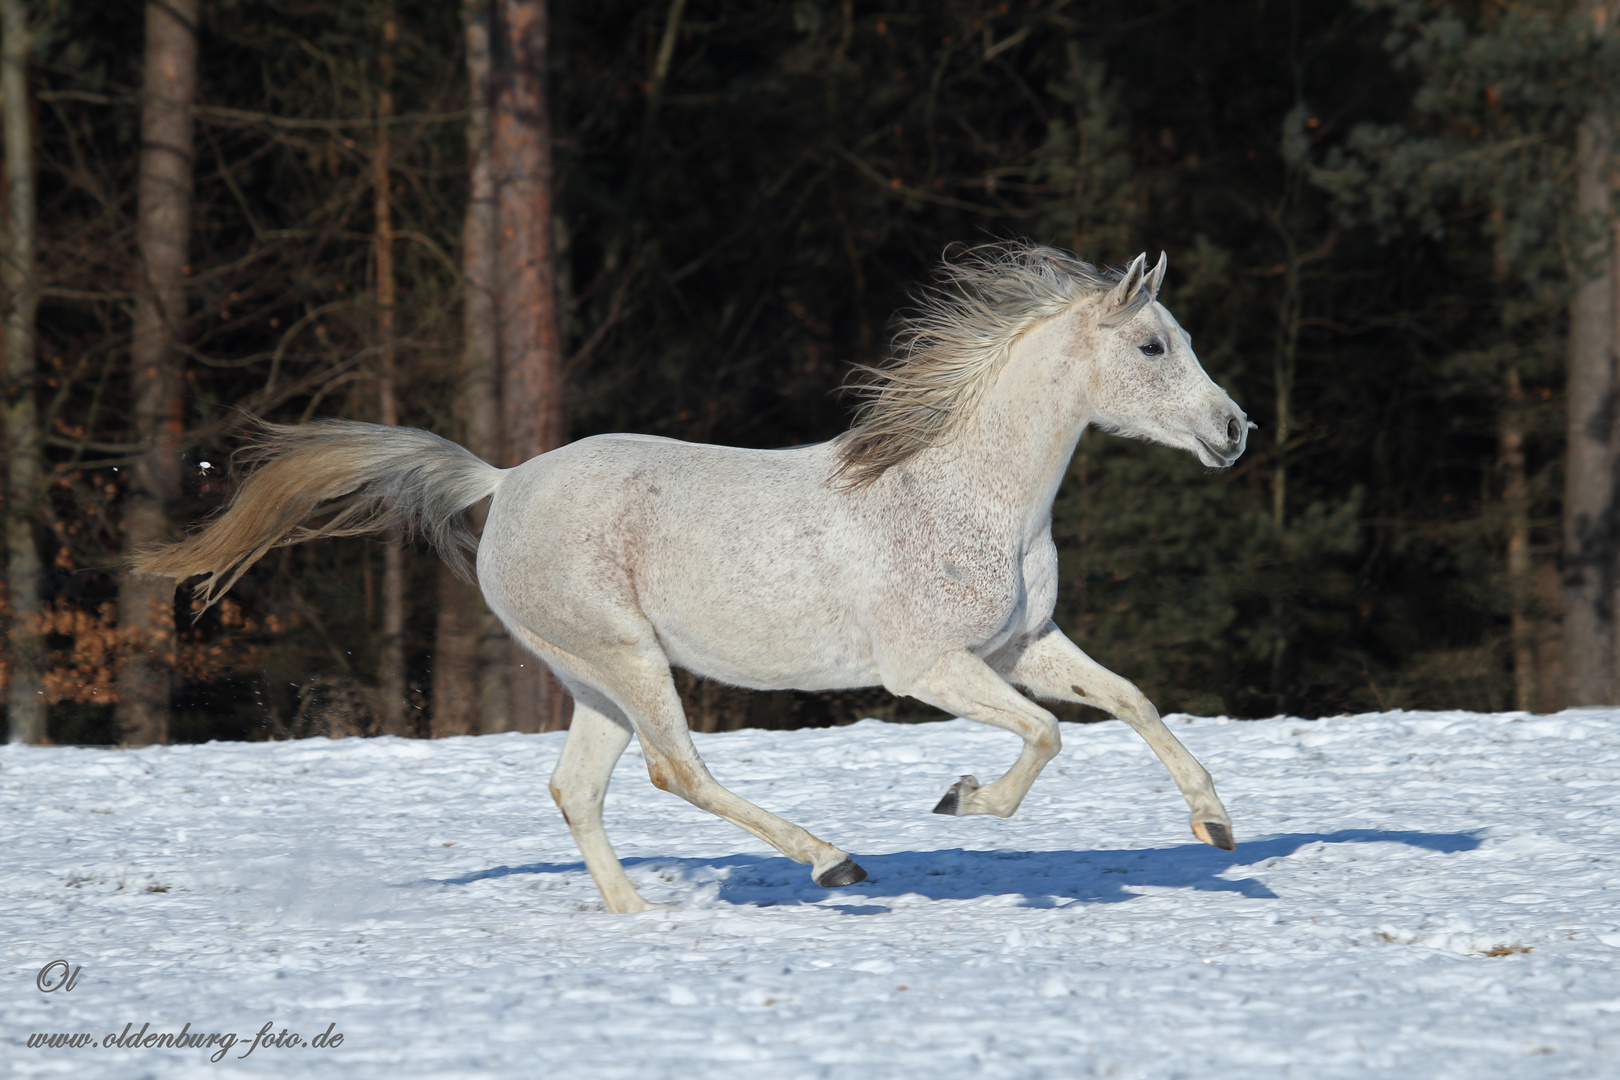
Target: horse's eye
[{"x": 1152, "y": 348}]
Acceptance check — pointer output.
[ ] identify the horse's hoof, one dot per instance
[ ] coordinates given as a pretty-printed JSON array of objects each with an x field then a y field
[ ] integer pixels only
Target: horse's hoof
[
  {"x": 952, "y": 802},
  {"x": 636, "y": 906},
  {"x": 1214, "y": 834},
  {"x": 845, "y": 873}
]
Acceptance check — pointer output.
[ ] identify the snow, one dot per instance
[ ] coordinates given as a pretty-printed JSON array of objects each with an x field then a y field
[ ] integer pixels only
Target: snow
[{"x": 1413, "y": 894}]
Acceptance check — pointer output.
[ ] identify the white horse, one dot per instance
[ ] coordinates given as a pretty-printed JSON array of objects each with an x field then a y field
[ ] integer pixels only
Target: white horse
[{"x": 913, "y": 552}]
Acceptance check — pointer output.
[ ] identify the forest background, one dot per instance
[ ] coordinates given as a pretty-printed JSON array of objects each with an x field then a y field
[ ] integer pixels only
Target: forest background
[{"x": 1390, "y": 227}]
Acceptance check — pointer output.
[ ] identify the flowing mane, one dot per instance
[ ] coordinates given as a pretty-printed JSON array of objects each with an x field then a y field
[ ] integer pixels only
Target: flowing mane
[{"x": 948, "y": 348}]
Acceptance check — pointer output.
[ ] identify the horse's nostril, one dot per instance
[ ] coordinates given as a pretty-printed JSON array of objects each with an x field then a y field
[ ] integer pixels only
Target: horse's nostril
[{"x": 1233, "y": 430}]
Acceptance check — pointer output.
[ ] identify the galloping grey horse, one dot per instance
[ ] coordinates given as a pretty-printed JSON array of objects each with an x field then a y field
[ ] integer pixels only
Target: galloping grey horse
[{"x": 913, "y": 552}]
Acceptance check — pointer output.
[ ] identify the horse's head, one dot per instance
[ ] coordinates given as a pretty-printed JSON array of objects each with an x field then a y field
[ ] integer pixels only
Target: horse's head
[{"x": 1144, "y": 380}]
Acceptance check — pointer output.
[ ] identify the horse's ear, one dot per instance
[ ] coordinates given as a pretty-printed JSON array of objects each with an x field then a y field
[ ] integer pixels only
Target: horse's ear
[
  {"x": 1156, "y": 276},
  {"x": 1129, "y": 284}
]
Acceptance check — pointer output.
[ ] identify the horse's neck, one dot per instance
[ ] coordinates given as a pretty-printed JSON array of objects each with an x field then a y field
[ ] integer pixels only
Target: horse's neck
[{"x": 1013, "y": 451}]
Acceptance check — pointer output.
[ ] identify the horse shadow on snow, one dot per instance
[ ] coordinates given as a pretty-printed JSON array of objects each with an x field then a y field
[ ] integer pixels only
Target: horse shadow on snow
[{"x": 1042, "y": 879}]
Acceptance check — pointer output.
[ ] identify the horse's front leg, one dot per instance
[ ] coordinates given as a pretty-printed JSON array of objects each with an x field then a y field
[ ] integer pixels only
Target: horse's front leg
[
  {"x": 1052, "y": 666},
  {"x": 963, "y": 685}
]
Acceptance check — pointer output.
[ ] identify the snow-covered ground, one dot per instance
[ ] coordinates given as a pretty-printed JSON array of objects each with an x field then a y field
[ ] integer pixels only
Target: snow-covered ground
[{"x": 1413, "y": 895}]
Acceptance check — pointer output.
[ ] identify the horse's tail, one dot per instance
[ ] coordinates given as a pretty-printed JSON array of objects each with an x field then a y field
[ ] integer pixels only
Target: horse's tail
[{"x": 333, "y": 478}]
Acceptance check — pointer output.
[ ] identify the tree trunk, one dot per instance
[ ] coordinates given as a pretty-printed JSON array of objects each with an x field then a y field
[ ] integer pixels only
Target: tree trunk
[
  {"x": 25, "y": 660},
  {"x": 163, "y": 234},
  {"x": 649, "y": 121},
  {"x": 455, "y": 658},
  {"x": 526, "y": 294},
  {"x": 1590, "y": 547},
  {"x": 1284, "y": 362},
  {"x": 1515, "y": 502},
  {"x": 1515, "y": 497},
  {"x": 391, "y": 671},
  {"x": 472, "y": 654}
]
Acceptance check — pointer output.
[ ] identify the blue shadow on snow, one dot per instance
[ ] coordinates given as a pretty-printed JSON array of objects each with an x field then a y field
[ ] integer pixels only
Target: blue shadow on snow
[{"x": 1042, "y": 878}]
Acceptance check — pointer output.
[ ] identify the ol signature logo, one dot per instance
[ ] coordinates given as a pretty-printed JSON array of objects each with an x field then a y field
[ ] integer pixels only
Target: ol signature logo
[{"x": 57, "y": 975}]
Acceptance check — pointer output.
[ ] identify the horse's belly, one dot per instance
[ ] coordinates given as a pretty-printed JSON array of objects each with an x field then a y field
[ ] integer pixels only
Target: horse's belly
[{"x": 777, "y": 649}]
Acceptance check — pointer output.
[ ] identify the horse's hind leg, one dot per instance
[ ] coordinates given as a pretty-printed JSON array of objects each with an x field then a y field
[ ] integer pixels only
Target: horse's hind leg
[
  {"x": 963, "y": 685},
  {"x": 635, "y": 676},
  {"x": 674, "y": 766},
  {"x": 1052, "y": 666},
  {"x": 597, "y": 736}
]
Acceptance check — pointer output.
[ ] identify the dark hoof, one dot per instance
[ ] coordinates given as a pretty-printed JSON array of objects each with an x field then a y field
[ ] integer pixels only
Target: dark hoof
[
  {"x": 952, "y": 802},
  {"x": 1214, "y": 834},
  {"x": 845, "y": 873}
]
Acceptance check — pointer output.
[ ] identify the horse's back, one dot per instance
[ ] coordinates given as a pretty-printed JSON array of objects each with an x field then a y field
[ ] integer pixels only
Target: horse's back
[{"x": 736, "y": 557}]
